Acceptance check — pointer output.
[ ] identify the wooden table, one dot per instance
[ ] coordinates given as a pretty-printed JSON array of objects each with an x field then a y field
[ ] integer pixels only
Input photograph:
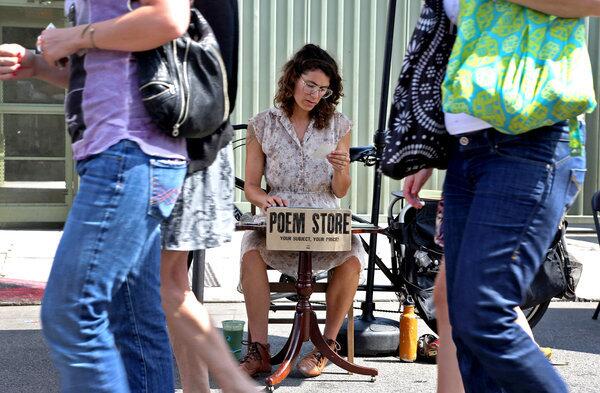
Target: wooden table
[{"x": 305, "y": 326}]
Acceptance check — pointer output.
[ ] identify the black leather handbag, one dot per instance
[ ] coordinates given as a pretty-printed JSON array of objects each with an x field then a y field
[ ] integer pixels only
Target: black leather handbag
[
  {"x": 416, "y": 137},
  {"x": 557, "y": 277},
  {"x": 184, "y": 82}
]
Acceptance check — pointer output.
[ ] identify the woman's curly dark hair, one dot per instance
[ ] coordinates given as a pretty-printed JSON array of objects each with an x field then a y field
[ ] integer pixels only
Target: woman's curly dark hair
[{"x": 310, "y": 57}]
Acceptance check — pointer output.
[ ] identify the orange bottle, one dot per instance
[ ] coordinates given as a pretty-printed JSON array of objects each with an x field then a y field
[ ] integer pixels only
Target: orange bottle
[{"x": 408, "y": 333}]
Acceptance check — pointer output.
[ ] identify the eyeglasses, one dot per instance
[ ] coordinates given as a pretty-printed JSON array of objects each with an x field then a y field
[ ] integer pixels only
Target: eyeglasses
[{"x": 310, "y": 89}]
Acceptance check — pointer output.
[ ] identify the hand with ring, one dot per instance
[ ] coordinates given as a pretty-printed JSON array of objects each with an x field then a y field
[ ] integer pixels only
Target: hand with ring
[
  {"x": 56, "y": 45},
  {"x": 339, "y": 159},
  {"x": 15, "y": 62},
  {"x": 272, "y": 201}
]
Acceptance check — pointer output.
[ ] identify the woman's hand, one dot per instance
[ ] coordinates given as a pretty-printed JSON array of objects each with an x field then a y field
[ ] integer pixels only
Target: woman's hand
[
  {"x": 339, "y": 160},
  {"x": 273, "y": 200},
  {"x": 57, "y": 44},
  {"x": 16, "y": 62},
  {"x": 412, "y": 186}
]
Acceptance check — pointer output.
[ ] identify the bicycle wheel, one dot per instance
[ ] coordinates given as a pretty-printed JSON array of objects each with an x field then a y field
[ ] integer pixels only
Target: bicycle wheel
[{"x": 535, "y": 313}]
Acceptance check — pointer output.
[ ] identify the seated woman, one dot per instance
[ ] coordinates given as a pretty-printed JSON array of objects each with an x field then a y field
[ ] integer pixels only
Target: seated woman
[{"x": 284, "y": 144}]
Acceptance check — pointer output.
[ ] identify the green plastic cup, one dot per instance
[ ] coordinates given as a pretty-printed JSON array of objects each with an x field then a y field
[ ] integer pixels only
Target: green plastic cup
[{"x": 233, "y": 331}]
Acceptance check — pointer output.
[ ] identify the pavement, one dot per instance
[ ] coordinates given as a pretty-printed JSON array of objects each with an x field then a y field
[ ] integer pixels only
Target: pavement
[
  {"x": 26, "y": 257},
  {"x": 567, "y": 327}
]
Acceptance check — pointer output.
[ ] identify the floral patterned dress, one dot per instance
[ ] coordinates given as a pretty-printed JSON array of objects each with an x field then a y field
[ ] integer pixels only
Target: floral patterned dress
[
  {"x": 203, "y": 214},
  {"x": 294, "y": 172}
]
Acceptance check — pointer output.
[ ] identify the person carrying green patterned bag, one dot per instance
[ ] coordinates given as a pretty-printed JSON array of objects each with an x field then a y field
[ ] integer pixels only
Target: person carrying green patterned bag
[
  {"x": 518, "y": 79},
  {"x": 517, "y": 68}
]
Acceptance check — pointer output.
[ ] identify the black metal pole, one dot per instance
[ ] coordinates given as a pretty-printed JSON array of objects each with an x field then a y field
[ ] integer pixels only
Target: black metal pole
[
  {"x": 198, "y": 268},
  {"x": 379, "y": 140}
]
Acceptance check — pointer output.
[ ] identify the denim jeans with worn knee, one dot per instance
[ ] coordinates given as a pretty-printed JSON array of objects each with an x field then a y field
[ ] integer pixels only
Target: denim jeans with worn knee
[
  {"x": 101, "y": 312},
  {"x": 504, "y": 199}
]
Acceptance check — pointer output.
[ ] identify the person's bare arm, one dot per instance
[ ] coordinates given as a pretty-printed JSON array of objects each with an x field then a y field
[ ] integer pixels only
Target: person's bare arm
[
  {"x": 255, "y": 168},
  {"x": 152, "y": 24},
  {"x": 412, "y": 186},
  {"x": 563, "y": 8},
  {"x": 16, "y": 62},
  {"x": 340, "y": 161}
]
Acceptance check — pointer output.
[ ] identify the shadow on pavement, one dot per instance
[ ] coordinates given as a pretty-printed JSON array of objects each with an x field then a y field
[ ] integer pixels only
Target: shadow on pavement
[
  {"x": 25, "y": 364},
  {"x": 570, "y": 329}
]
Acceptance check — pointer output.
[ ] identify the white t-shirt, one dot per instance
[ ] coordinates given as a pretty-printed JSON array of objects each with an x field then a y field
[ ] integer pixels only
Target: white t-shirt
[{"x": 460, "y": 123}]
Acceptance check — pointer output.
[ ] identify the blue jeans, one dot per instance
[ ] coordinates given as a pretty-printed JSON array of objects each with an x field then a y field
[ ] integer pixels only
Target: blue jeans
[
  {"x": 101, "y": 313},
  {"x": 504, "y": 199}
]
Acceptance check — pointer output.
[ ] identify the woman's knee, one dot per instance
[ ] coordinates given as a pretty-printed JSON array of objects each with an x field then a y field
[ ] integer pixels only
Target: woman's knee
[
  {"x": 172, "y": 297},
  {"x": 62, "y": 323},
  {"x": 51, "y": 320},
  {"x": 351, "y": 265},
  {"x": 254, "y": 280},
  {"x": 174, "y": 281},
  {"x": 252, "y": 261}
]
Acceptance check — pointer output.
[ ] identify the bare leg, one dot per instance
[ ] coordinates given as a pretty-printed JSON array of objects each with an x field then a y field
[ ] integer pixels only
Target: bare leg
[
  {"x": 340, "y": 295},
  {"x": 522, "y": 321},
  {"x": 196, "y": 343},
  {"x": 192, "y": 369},
  {"x": 256, "y": 295},
  {"x": 449, "y": 380}
]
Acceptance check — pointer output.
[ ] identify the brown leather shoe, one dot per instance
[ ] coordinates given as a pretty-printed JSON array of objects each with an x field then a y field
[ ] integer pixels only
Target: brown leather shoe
[
  {"x": 257, "y": 359},
  {"x": 313, "y": 364}
]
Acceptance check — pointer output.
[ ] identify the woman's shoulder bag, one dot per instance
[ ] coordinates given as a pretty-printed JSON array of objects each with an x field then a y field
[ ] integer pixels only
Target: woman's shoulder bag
[
  {"x": 184, "y": 83},
  {"x": 416, "y": 136},
  {"x": 516, "y": 68}
]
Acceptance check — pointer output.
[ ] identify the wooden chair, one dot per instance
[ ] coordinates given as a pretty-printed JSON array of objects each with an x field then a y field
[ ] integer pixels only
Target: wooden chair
[{"x": 595, "y": 212}]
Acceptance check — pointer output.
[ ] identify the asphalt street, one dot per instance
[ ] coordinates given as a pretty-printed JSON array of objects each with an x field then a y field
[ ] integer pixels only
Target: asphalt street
[{"x": 567, "y": 327}]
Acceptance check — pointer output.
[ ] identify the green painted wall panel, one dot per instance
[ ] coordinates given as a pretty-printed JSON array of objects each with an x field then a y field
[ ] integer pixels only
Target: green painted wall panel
[{"x": 353, "y": 31}]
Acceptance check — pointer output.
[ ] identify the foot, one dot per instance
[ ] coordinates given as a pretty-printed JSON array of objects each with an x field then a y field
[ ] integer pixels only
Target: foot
[
  {"x": 257, "y": 359},
  {"x": 313, "y": 364},
  {"x": 547, "y": 351},
  {"x": 427, "y": 348}
]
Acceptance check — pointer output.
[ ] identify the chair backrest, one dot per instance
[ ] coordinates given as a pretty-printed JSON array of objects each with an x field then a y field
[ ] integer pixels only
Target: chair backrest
[{"x": 596, "y": 211}]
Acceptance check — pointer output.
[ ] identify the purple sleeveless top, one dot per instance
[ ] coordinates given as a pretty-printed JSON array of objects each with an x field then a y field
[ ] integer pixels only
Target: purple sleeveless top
[{"x": 103, "y": 104}]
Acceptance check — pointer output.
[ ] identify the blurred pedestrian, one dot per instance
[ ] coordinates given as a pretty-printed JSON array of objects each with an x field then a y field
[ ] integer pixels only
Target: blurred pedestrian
[
  {"x": 101, "y": 312},
  {"x": 202, "y": 219}
]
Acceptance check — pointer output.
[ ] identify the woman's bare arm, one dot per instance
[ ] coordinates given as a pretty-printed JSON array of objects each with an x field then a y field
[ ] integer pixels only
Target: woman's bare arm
[
  {"x": 255, "y": 168},
  {"x": 16, "y": 62},
  {"x": 563, "y": 8},
  {"x": 152, "y": 24},
  {"x": 340, "y": 160}
]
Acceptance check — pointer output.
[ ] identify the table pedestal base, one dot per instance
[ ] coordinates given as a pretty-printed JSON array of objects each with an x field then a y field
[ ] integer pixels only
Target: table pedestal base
[{"x": 305, "y": 328}]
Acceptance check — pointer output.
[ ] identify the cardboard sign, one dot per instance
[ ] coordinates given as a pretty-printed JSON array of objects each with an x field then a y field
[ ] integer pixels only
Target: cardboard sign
[{"x": 305, "y": 229}]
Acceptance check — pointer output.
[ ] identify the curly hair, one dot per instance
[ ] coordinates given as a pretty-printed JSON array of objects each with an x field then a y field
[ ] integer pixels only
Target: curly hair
[{"x": 310, "y": 57}]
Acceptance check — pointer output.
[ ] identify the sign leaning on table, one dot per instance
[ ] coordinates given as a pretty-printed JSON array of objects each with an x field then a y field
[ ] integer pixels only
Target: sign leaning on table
[{"x": 309, "y": 229}]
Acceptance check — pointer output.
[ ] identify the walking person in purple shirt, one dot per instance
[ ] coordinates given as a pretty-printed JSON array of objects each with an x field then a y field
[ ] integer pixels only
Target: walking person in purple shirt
[{"x": 101, "y": 312}]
